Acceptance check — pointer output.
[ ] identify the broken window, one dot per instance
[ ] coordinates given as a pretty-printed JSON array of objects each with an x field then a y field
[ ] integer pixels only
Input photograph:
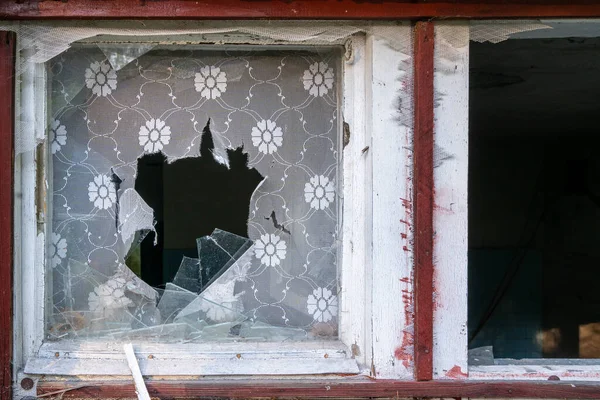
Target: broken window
[{"x": 194, "y": 193}]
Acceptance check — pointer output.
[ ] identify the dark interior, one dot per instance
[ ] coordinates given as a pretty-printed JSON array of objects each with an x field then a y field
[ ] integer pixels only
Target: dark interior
[
  {"x": 534, "y": 198},
  {"x": 191, "y": 197}
]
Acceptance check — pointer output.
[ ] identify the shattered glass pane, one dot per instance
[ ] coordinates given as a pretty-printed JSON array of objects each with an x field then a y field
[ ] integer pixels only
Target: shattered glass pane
[
  {"x": 173, "y": 300},
  {"x": 188, "y": 275},
  {"x": 194, "y": 194},
  {"x": 218, "y": 252},
  {"x": 219, "y": 301}
]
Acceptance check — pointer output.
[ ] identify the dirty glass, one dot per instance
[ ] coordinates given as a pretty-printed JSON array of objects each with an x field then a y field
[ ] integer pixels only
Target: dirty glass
[{"x": 194, "y": 194}]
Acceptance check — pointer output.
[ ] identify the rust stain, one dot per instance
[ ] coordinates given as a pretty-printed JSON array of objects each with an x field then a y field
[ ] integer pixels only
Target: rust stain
[{"x": 456, "y": 373}]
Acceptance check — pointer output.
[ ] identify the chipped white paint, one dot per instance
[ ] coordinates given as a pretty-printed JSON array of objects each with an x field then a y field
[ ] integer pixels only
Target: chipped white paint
[
  {"x": 376, "y": 265},
  {"x": 571, "y": 373},
  {"x": 538, "y": 369},
  {"x": 18, "y": 359},
  {"x": 390, "y": 151},
  {"x": 31, "y": 235},
  {"x": 355, "y": 273},
  {"x": 451, "y": 85},
  {"x": 214, "y": 359}
]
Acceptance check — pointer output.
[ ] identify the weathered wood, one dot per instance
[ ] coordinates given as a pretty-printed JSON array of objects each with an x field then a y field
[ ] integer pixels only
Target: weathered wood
[
  {"x": 355, "y": 326},
  {"x": 30, "y": 230},
  {"x": 7, "y": 75},
  {"x": 451, "y": 168},
  {"x": 390, "y": 151},
  {"x": 192, "y": 359},
  {"x": 539, "y": 372},
  {"x": 294, "y": 9},
  {"x": 324, "y": 389},
  {"x": 423, "y": 190}
]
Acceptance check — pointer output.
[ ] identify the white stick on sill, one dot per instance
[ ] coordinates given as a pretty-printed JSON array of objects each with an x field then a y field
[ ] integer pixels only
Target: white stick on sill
[{"x": 140, "y": 386}]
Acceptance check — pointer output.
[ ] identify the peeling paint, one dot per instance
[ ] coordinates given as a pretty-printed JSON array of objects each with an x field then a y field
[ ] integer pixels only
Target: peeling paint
[
  {"x": 346, "y": 138},
  {"x": 519, "y": 373},
  {"x": 41, "y": 187},
  {"x": 355, "y": 350}
]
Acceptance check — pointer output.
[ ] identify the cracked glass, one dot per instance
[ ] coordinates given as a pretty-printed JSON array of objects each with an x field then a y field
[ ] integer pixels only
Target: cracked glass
[{"x": 194, "y": 193}]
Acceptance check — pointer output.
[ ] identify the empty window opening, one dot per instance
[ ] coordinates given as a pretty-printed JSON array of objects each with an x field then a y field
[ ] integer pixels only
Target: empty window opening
[{"x": 534, "y": 199}]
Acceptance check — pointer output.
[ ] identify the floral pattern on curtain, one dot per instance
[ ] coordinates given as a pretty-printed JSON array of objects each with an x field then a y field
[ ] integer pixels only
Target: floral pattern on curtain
[{"x": 281, "y": 106}]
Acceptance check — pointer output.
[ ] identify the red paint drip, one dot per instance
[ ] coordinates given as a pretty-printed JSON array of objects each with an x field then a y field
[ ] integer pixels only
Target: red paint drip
[
  {"x": 456, "y": 373},
  {"x": 405, "y": 351},
  {"x": 443, "y": 210},
  {"x": 406, "y": 203}
]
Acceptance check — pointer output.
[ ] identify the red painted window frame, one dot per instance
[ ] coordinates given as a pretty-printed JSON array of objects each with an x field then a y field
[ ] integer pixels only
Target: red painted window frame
[
  {"x": 295, "y": 9},
  {"x": 7, "y": 85},
  {"x": 423, "y": 385},
  {"x": 423, "y": 205}
]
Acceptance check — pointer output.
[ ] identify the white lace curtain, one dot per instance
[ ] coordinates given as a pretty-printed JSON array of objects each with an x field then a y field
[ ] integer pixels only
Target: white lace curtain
[{"x": 106, "y": 113}]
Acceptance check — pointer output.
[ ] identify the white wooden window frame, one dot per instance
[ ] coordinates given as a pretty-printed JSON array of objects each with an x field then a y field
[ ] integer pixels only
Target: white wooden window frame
[
  {"x": 374, "y": 266},
  {"x": 450, "y": 215}
]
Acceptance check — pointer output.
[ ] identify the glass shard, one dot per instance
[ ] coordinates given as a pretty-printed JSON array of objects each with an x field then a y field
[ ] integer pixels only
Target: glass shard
[
  {"x": 218, "y": 252},
  {"x": 188, "y": 275},
  {"x": 173, "y": 300}
]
